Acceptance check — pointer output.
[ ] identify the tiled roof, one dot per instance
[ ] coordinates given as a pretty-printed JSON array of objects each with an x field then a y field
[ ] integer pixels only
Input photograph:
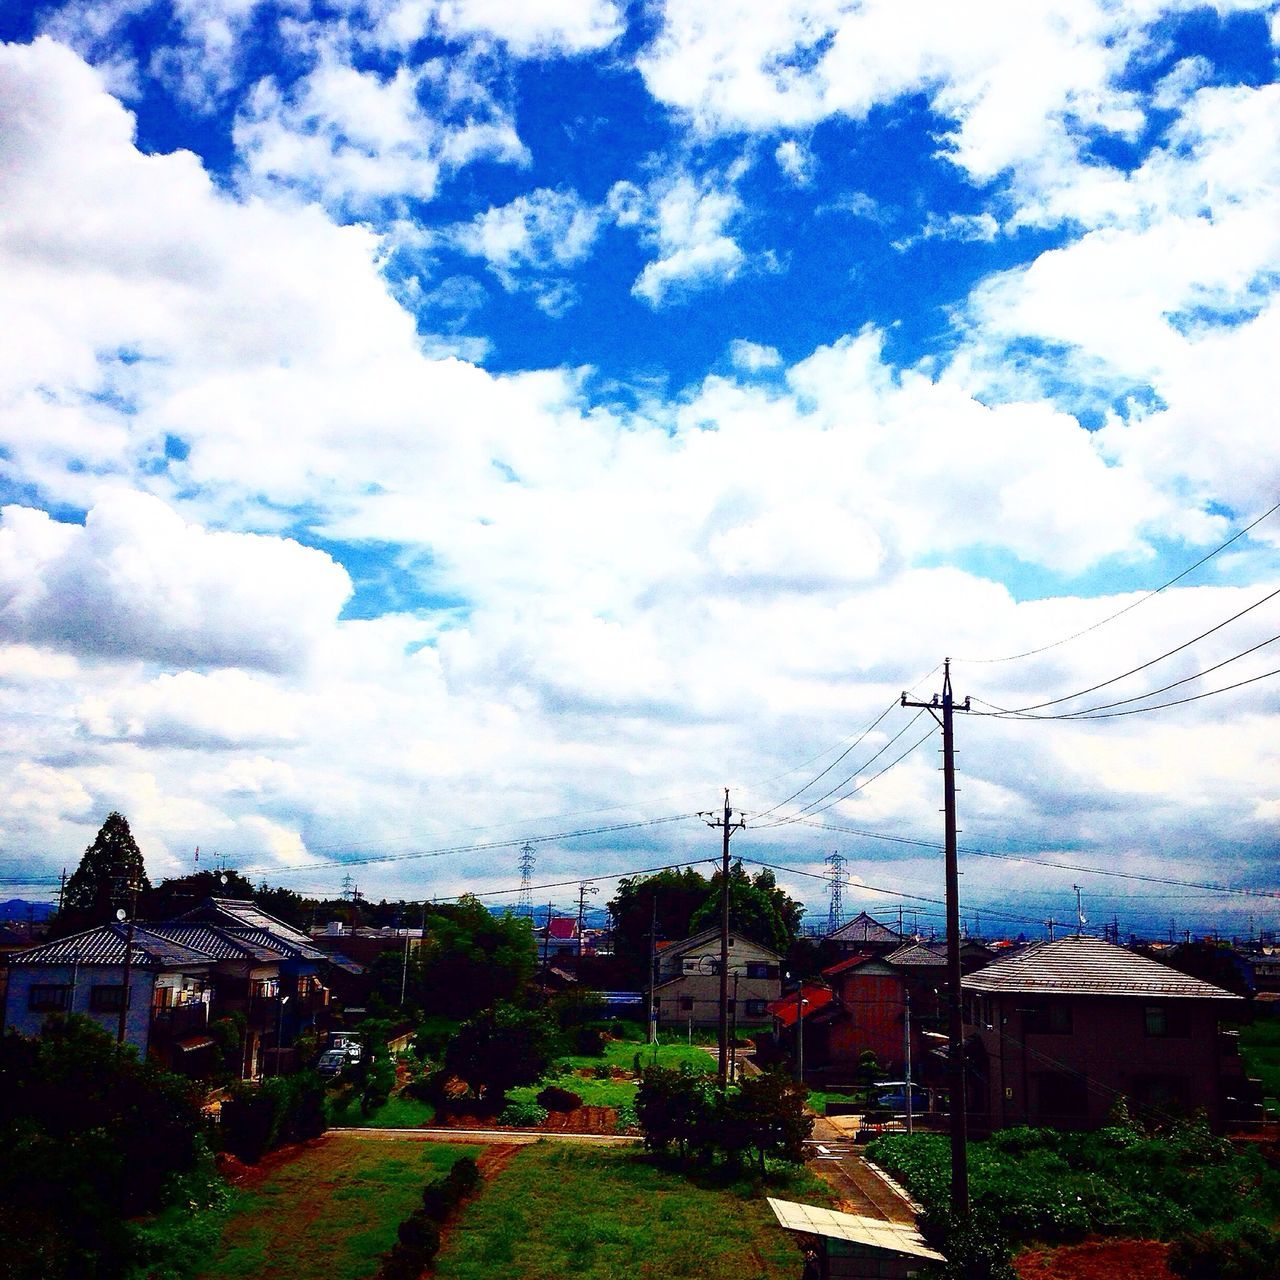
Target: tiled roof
[
  {"x": 563, "y": 927},
  {"x": 271, "y": 941},
  {"x": 106, "y": 944},
  {"x": 220, "y": 943},
  {"x": 242, "y": 911},
  {"x": 918, "y": 954},
  {"x": 1088, "y": 966},
  {"x": 849, "y": 962},
  {"x": 862, "y": 928},
  {"x": 785, "y": 1010}
]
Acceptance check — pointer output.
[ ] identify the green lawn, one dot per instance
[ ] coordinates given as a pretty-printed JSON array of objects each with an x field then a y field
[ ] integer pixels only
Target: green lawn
[
  {"x": 622, "y": 1053},
  {"x": 600, "y": 1213},
  {"x": 328, "y": 1213},
  {"x": 398, "y": 1112},
  {"x": 1260, "y": 1049}
]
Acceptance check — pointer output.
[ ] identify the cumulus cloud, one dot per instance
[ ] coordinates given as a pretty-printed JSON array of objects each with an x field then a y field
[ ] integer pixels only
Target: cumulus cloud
[
  {"x": 353, "y": 138},
  {"x": 139, "y": 582},
  {"x": 684, "y": 220},
  {"x": 795, "y": 161}
]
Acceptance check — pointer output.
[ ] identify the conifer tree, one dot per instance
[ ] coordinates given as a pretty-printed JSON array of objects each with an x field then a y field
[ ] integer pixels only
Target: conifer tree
[{"x": 106, "y": 879}]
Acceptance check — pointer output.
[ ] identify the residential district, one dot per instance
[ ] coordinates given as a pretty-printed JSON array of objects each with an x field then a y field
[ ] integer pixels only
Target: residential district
[{"x": 207, "y": 1079}]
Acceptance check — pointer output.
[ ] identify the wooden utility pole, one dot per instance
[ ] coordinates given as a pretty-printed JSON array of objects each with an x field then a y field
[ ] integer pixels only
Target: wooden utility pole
[
  {"x": 728, "y": 826},
  {"x": 955, "y": 1021}
]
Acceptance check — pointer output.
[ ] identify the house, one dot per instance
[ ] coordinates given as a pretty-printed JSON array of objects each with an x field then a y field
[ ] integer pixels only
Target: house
[
  {"x": 687, "y": 989},
  {"x": 865, "y": 936},
  {"x": 1060, "y": 1031},
  {"x": 560, "y": 938},
  {"x": 282, "y": 996},
  {"x": 168, "y": 999}
]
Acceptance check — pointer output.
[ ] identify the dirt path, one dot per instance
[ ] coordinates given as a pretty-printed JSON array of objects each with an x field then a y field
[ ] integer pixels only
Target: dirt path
[
  {"x": 515, "y": 1137},
  {"x": 861, "y": 1187}
]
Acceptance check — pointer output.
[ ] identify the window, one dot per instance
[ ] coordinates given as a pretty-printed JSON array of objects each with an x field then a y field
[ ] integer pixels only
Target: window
[
  {"x": 758, "y": 969},
  {"x": 48, "y": 997},
  {"x": 1050, "y": 1018},
  {"x": 686, "y": 1004},
  {"x": 1163, "y": 1020},
  {"x": 106, "y": 999},
  {"x": 756, "y": 1008}
]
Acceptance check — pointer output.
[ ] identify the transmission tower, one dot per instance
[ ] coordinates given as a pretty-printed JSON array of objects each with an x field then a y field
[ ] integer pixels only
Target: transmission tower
[
  {"x": 835, "y": 878},
  {"x": 524, "y": 903}
]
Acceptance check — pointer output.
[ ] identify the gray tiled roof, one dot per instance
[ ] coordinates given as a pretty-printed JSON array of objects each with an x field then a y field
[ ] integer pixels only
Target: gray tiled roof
[
  {"x": 240, "y": 911},
  {"x": 917, "y": 954},
  {"x": 862, "y": 928},
  {"x": 220, "y": 943},
  {"x": 106, "y": 944},
  {"x": 1088, "y": 966},
  {"x": 281, "y": 946}
]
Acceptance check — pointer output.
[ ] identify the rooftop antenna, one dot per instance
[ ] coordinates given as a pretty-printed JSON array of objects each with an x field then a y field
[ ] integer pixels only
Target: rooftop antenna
[{"x": 1079, "y": 910}]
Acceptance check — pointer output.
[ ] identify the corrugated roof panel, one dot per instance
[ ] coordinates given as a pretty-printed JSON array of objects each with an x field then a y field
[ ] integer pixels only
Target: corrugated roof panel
[
  {"x": 875, "y": 1233},
  {"x": 1088, "y": 966}
]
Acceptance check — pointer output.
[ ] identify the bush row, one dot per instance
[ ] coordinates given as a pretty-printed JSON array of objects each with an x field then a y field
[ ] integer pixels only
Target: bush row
[
  {"x": 257, "y": 1119},
  {"x": 418, "y": 1236}
]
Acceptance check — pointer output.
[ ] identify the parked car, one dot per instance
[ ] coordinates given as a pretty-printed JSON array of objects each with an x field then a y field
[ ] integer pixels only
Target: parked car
[
  {"x": 331, "y": 1062},
  {"x": 893, "y": 1097}
]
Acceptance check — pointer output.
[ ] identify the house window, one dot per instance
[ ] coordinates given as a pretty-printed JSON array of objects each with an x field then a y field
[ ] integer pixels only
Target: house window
[
  {"x": 1053, "y": 1017},
  {"x": 757, "y": 969},
  {"x": 756, "y": 1008},
  {"x": 106, "y": 999},
  {"x": 1163, "y": 1021},
  {"x": 686, "y": 1004},
  {"x": 48, "y": 997}
]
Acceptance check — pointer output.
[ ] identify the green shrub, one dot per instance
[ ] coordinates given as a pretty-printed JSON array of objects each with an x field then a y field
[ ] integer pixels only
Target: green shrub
[
  {"x": 554, "y": 1098},
  {"x": 522, "y": 1115},
  {"x": 420, "y": 1234},
  {"x": 1248, "y": 1251},
  {"x": 464, "y": 1176}
]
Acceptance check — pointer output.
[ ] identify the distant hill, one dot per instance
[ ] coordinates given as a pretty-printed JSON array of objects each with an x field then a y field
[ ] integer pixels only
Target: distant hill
[{"x": 20, "y": 909}]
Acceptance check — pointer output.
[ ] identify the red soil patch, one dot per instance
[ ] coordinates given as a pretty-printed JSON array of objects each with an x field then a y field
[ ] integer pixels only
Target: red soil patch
[
  {"x": 239, "y": 1174},
  {"x": 1097, "y": 1260},
  {"x": 583, "y": 1120}
]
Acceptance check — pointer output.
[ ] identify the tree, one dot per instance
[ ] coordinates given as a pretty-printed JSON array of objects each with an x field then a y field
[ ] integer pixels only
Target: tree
[
  {"x": 758, "y": 909},
  {"x": 177, "y": 894},
  {"x": 501, "y": 1048},
  {"x": 106, "y": 880},
  {"x": 89, "y": 1137},
  {"x": 677, "y": 895},
  {"x": 676, "y": 1107},
  {"x": 470, "y": 959},
  {"x": 767, "y": 1115}
]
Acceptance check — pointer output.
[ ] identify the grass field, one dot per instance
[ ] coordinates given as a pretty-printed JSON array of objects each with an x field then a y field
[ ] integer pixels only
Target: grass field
[
  {"x": 597, "y": 1214},
  {"x": 329, "y": 1212},
  {"x": 1260, "y": 1048},
  {"x": 398, "y": 1112}
]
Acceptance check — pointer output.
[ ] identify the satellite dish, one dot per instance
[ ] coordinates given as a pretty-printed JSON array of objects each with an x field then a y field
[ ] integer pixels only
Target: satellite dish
[
  {"x": 119, "y": 913},
  {"x": 223, "y": 878}
]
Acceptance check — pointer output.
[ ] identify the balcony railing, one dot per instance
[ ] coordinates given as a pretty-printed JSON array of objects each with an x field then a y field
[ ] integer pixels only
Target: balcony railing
[{"x": 179, "y": 1019}]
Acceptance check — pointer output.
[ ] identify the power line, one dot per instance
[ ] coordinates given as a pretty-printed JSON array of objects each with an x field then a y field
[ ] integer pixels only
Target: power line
[
  {"x": 1053, "y": 702},
  {"x": 1133, "y": 604}
]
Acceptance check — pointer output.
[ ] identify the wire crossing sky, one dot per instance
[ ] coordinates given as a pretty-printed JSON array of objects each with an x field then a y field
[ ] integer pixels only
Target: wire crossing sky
[{"x": 435, "y": 426}]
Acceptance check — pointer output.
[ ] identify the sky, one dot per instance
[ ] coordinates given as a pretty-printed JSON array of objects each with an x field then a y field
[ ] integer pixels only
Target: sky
[{"x": 428, "y": 426}]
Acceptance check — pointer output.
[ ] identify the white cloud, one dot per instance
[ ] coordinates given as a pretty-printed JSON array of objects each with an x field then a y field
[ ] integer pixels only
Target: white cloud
[
  {"x": 795, "y": 161},
  {"x": 535, "y": 235},
  {"x": 563, "y": 27},
  {"x": 138, "y": 582},
  {"x": 754, "y": 357},
  {"x": 354, "y": 138},
  {"x": 684, "y": 221}
]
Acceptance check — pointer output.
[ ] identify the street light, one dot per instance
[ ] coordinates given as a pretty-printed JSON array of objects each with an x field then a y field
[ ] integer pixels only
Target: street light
[{"x": 284, "y": 1000}]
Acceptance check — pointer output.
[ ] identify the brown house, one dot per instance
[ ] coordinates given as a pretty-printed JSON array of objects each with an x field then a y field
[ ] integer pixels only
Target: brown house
[{"x": 1063, "y": 1030}]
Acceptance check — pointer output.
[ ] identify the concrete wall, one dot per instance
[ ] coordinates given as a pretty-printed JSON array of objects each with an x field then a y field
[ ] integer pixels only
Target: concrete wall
[{"x": 20, "y": 1017}]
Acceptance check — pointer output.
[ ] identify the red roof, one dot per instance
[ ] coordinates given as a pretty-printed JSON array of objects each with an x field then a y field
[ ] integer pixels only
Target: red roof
[
  {"x": 563, "y": 927},
  {"x": 785, "y": 1010},
  {"x": 851, "y": 962}
]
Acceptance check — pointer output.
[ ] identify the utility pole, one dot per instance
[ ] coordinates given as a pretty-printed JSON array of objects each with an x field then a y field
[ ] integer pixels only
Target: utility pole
[
  {"x": 62, "y": 889},
  {"x": 906, "y": 1053},
  {"x": 546, "y": 935},
  {"x": 128, "y": 962},
  {"x": 584, "y": 888},
  {"x": 955, "y": 1027},
  {"x": 728, "y": 827},
  {"x": 653, "y": 965}
]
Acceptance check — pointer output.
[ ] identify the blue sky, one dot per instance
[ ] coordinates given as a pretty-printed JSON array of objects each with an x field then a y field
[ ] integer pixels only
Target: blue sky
[{"x": 422, "y": 412}]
